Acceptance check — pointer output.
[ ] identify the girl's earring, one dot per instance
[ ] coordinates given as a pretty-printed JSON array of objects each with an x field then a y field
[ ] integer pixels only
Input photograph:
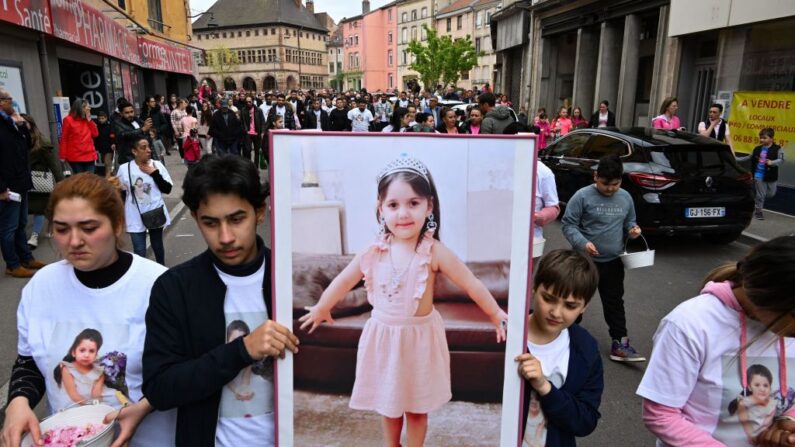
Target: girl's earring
[
  {"x": 382, "y": 226},
  {"x": 431, "y": 225}
]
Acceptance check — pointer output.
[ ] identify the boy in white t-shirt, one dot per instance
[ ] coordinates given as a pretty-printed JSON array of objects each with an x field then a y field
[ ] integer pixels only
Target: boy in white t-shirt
[{"x": 562, "y": 367}]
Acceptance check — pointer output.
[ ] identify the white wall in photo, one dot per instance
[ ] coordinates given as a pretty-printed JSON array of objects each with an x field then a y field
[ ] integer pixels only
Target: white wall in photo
[{"x": 475, "y": 207}]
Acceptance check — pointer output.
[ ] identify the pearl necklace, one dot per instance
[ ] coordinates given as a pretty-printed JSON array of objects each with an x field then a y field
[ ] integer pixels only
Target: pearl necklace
[{"x": 392, "y": 288}]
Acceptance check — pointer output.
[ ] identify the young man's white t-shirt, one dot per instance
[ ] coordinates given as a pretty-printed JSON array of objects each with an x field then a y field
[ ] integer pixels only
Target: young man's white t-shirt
[
  {"x": 360, "y": 120},
  {"x": 245, "y": 415},
  {"x": 554, "y": 358},
  {"x": 695, "y": 365},
  {"x": 702, "y": 126},
  {"x": 56, "y": 308}
]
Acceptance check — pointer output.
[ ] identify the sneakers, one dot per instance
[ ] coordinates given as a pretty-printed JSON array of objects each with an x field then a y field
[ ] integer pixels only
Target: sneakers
[
  {"x": 33, "y": 264},
  {"x": 33, "y": 242},
  {"x": 621, "y": 351},
  {"x": 759, "y": 215},
  {"x": 20, "y": 272}
]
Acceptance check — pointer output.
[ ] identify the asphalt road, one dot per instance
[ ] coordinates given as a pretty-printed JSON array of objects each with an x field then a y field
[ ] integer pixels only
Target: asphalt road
[{"x": 652, "y": 292}]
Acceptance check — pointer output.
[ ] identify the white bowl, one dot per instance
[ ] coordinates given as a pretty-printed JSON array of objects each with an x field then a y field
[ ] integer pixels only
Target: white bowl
[
  {"x": 82, "y": 415},
  {"x": 638, "y": 259}
]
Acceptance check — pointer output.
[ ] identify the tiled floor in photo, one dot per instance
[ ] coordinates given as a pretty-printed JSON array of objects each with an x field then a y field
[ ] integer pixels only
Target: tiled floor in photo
[{"x": 325, "y": 420}]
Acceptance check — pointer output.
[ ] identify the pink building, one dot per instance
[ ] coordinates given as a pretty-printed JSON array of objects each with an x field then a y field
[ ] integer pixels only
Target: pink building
[
  {"x": 353, "y": 52},
  {"x": 370, "y": 48},
  {"x": 380, "y": 48}
]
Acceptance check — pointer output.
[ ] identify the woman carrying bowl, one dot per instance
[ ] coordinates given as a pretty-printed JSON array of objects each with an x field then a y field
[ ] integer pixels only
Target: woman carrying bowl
[{"x": 81, "y": 321}]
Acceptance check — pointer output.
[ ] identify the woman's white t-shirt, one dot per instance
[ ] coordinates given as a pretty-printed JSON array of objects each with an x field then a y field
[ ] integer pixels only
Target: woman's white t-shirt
[
  {"x": 146, "y": 193},
  {"x": 56, "y": 308},
  {"x": 546, "y": 194},
  {"x": 695, "y": 366}
]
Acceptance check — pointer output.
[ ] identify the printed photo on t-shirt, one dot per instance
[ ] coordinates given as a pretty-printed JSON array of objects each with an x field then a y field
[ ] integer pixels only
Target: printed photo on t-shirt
[
  {"x": 535, "y": 433},
  {"x": 251, "y": 392},
  {"x": 746, "y": 413},
  {"x": 87, "y": 364},
  {"x": 143, "y": 192}
]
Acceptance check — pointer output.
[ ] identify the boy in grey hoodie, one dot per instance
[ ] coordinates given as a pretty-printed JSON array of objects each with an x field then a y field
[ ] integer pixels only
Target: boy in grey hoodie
[{"x": 597, "y": 220}]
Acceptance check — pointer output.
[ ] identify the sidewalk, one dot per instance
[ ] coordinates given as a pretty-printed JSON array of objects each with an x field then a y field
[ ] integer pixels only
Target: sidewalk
[{"x": 775, "y": 224}]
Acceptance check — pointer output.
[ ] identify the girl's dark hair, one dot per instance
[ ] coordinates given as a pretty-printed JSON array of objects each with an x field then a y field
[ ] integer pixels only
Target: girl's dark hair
[
  {"x": 667, "y": 103},
  {"x": 76, "y": 111},
  {"x": 189, "y": 110},
  {"x": 420, "y": 187},
  {"x": 86, "y": 334},
  {"x": 605, "y": 102},
  {"x": 397, "y": 117},
  {"x": 226, "y": 174},
  {"x": 753, "y": 370},
  {"x": 766, "y": 273},
  {"x": 237, "y": 325},
  {"x": 567, "y": 273},
  {"x": 206, "y": 117},
  {"x": 37, "y": 138}
]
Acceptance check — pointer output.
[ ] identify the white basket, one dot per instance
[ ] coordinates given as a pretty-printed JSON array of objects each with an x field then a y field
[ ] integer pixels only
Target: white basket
[
  {"x": 638, "y": 259},
  {"x": 538, "y": 247},
  {"x": 80, "y": 415}
]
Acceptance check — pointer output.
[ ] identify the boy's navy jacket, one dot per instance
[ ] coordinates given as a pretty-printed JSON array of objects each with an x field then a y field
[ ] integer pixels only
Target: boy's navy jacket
[
  {"x": 186, "y": 360},
  {"x": 573, "y": 410}
]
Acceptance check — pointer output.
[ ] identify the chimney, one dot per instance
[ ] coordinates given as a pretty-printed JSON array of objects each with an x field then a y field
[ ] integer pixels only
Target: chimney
[
  {"x": 365, "y": 6},
  {"x": 310, "y": 5}
]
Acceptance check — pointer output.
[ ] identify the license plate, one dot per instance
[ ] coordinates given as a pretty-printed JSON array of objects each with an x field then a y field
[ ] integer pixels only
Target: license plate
[{"x": 693, "y": 213}]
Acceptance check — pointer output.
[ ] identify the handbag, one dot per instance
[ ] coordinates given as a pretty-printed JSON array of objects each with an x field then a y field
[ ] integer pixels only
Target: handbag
[
  {"x": 152, "y": 219},
  {"x": 43, "y": 182}
]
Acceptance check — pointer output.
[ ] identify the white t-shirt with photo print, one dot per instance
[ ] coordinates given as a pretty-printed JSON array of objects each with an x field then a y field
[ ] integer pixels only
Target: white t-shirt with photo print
[
  {"x": 57, "y": 311},
  {"x": 142, "y": 186},
  {"x": 695, "y": 366},
  {"x": 245, "y": 416},
  {"x": 554, "y": 358}
]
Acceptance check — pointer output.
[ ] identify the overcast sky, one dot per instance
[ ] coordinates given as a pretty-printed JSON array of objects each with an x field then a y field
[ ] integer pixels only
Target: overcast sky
[{"x": 337, "y": 9}]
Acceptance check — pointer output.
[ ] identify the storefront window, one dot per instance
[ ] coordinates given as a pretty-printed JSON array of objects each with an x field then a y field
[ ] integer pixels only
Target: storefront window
[{"x": 769, "y": 60}]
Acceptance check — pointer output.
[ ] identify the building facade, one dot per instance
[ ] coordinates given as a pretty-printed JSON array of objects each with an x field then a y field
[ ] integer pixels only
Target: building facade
[
  {"x": 353, "y": 52},
  {"x": 553, "y": 53},
  {"x": 380, "y": 48},
  {"x": 51, "y": 57},
  {"x": 412, "y": 16},
  {"x": 724, "y": 47},
  {"x": 335, "y": 48},
  {"x": 278, "y": 44},
  {"x": 471, "y": 18}
]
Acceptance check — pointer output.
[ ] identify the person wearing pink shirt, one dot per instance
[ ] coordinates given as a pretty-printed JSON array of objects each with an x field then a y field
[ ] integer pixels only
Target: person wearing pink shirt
[
  {"x": 188, "y": 122},
  {"x": 562, "y": 124},
  {"x": 667, "y": 118}
]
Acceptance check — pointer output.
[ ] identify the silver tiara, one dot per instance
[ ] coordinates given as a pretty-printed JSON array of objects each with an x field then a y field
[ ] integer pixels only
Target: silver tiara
[{"x": 404, "y": 164}]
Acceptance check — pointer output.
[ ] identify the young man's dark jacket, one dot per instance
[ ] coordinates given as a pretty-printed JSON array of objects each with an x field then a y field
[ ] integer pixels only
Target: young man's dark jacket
[
  {"x": 573, "y": 410},
  {"x": 186, "y": 360},
  {"x": 338, "y": 120}
]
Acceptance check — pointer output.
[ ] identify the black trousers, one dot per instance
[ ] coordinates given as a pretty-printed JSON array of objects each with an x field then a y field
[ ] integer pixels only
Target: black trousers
[
  {"x": 611, "y": 290},
  {"x": 251, "y": 143}
]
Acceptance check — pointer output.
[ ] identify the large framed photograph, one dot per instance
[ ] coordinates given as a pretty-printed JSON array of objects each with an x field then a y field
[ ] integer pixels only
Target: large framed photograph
[{"x": 401, "y": 262}]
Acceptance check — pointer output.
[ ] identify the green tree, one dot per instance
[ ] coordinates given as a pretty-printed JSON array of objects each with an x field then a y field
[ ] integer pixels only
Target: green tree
[
  {"x": 223, "y": 61},
  {"x": 442, "y": 60}
]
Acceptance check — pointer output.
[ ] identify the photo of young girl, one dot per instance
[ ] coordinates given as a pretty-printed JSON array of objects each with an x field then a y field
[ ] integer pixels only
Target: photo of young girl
[
  {"x": 403, "y": 361},
  {"x": 79, "y": 375},
  {"x": 246, "y": 395},
  {"x": 755, "y": 407}
]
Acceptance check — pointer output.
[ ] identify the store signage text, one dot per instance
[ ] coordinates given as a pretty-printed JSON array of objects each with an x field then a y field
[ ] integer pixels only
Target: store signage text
[
  {"x": 84, "y": 25},
  {"x": 32, "y": 14},
  {"x": 162, "y": 56}
]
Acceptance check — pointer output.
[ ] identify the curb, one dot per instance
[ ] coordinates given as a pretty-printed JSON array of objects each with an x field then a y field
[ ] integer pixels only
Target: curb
[{"x": 751, "y": 239}]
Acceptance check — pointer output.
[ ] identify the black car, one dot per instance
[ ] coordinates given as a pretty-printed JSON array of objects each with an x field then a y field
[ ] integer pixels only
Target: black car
[{"x": 680, "y": 182}]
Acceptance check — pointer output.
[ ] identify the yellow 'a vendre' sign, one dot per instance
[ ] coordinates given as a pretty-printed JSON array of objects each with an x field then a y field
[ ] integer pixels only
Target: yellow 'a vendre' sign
[{"x": 753, "y": 111}]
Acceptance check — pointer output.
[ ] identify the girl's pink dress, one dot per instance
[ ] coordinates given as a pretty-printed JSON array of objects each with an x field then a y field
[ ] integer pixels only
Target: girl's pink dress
[
  {"x": 662, "y": 122},
  {"x": 403, "y": 362}
]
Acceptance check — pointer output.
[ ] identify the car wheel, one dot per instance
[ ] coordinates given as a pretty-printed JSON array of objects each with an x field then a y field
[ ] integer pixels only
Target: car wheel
[{"x": 722, "y": 238}]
